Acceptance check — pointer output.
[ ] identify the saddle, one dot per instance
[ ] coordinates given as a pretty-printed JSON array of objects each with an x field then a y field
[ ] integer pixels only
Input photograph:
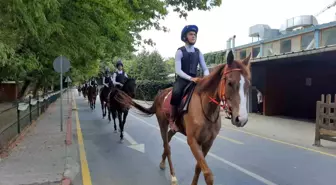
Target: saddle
[{"x": 184, "y": 106}]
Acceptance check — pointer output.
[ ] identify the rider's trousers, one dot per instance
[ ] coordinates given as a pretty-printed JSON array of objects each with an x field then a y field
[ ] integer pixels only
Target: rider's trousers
[{"x": 178, "y": 89}]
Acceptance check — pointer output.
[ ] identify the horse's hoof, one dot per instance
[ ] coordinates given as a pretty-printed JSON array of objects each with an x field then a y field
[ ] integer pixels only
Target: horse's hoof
[
  {"x": 174, "y": 180},
  {"x": 115, "y": 131},
  {"x": 162, "y": 166},
  {"x": 121, "y": 140}
]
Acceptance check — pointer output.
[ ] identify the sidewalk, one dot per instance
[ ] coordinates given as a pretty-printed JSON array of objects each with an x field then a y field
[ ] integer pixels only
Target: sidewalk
[
  {"x": 41, "y": 155},
  {"x": 283, "y": 129}
]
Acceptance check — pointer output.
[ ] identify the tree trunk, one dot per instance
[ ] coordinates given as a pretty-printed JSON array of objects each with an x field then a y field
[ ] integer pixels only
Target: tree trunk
[
  {"x": 37, "y": 86},
  {"x": 23, "y": 89}
]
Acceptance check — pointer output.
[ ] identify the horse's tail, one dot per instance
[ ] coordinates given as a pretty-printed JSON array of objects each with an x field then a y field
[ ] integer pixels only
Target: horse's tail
[{"x": 126, "y": 100}]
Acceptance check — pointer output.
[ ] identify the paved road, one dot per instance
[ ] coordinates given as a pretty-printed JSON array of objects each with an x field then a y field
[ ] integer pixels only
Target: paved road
[{"x": 236, "y": 158}]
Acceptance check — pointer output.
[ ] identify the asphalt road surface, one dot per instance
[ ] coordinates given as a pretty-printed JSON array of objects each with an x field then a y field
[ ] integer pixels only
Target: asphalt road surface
[{"x": 236, "y": 158}]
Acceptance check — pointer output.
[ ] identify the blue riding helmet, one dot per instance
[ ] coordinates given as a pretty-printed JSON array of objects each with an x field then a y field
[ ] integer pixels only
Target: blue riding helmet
[
  {"x": 119, "y": 63},
  {"x": 187, "y": 29}
]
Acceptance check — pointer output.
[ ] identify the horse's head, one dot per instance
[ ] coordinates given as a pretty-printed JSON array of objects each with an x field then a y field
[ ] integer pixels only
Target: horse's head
[
  {"x": 229, "y": 83},
  {"x": 233, "y": 89},
  {"x": 129, "y": 87}
]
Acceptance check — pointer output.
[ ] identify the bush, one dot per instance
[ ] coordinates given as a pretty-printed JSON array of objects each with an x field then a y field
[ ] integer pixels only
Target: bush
[{"x": 147, "y": 90}]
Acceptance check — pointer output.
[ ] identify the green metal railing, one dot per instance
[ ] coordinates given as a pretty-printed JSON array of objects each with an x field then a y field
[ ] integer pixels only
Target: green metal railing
[{"x": 15, "y": 119}]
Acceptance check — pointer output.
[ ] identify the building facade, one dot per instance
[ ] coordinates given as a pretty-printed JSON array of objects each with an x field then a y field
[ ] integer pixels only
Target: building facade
[{"x": 291, "y": 66}]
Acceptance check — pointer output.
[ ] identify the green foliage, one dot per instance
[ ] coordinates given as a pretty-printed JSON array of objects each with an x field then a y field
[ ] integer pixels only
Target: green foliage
[
  {"x": 148, "y": 66},
  {"x": 148, "y": 89},
  {"x": 91, "y": 33},
  {"x": 215, "y": 57}
]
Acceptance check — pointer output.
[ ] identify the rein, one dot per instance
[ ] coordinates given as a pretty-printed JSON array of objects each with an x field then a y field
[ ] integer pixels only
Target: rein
[{"x": 222, "y": 97}]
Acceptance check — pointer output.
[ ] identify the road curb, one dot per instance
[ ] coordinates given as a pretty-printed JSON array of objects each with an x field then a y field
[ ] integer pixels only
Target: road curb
[
  {"x": 68, "y": 139},
  {"x": 71, "y": 166}
]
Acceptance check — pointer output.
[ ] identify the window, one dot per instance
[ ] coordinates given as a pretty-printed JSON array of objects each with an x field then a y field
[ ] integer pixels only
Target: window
[
  {"x": 308, "y": 41},
  {"x": 242, "y": 54},
  {"x": 285, "y": 46},
  {"x": 255, "y": 52},
  {"x": 268, "y": 49},
  {"x": 328, "y": 37}
]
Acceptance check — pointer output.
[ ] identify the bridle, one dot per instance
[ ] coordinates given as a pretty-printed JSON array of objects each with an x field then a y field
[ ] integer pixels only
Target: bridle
[{"x": 221, "y": 91}]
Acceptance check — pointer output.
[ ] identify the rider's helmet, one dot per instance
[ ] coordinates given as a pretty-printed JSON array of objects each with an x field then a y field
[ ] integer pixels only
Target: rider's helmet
[
  {"x": 107, "y": 70},
  {"x": 119, "y": 63},
  {"x": 186, "y": 30}
]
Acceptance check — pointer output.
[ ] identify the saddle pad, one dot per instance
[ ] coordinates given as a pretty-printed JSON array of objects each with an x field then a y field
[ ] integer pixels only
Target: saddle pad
[{"x": 166, "y": 102}]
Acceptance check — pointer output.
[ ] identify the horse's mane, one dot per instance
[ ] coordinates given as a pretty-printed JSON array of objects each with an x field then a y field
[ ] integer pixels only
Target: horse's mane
[{"x": 211, "y": 81}]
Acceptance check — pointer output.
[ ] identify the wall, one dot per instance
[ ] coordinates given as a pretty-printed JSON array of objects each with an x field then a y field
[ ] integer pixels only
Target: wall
[
  {"x": 287, "y": 92},
  {"x": 8, "y": 92}
]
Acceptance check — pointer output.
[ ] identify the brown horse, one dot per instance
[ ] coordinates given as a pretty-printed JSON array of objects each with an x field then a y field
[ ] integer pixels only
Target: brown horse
[
  {"x": 103, "y": 96},
  {"x": 201, "y": 123},
  {"x": 85, "y": 90},
  {"x": 92, "y": 95},
  {"x": 116, "y": 108}
]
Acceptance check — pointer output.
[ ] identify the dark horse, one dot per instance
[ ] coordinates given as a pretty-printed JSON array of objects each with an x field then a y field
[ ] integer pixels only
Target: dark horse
[
  {"x": 92, "y": 95},
  {"x": 201, "y": 122},
  {"x": 115, "y": 108},
  {"x": 85, "y": 90},
  {"x": 103, "y": 96}
]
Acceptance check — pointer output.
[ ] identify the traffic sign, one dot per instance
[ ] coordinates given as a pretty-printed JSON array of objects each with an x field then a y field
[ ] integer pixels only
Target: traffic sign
[
  {"x": 68, "y": 79},
  {"x": 61, "y": 64}
]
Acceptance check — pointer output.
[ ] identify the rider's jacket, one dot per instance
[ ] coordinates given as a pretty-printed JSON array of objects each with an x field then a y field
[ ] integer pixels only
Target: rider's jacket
[
  {"x": 119, "y": 77},
  {"x": 187, "y": 59}
]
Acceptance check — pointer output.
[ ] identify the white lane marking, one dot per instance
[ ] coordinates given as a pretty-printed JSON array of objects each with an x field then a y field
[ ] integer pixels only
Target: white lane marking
[
  {"x": 239, "y": 168},
  {"x": 134, "y": 145}
]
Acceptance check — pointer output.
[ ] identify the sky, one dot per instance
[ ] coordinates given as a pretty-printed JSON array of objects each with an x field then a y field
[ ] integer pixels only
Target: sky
[{"x": 233, "y": 18}]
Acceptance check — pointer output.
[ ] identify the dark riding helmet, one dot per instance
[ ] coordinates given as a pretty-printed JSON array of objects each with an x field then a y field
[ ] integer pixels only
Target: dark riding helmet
[
  {"x": 119, "y": 63},
  {"x": 107, "y": 70},
  {"x": 187, "y": 29}
]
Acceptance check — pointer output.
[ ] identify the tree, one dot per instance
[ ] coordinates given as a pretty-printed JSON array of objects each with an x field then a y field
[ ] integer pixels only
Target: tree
[{"x": 91, "y": 33}]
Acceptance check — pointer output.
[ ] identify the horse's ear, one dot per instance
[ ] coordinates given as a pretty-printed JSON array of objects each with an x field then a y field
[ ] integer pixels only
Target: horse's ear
[
  {"x": 230, "y": 58},
  {"x": 247, "y": 60}
]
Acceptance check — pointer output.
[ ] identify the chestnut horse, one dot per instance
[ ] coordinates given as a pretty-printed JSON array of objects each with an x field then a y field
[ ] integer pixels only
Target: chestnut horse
[{"x": 201, "y": 123}]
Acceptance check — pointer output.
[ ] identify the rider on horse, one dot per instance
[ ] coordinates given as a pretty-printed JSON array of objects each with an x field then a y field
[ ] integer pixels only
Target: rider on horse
[
  {"x": 119, "y": 77},
  {"x": 93, "y": 82},
  {"x": 106, "y": 78},
  {"x": 187, "y": 59}
]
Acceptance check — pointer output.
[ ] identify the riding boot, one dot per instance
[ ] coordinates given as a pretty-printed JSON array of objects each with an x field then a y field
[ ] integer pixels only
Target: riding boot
[{"x": 172, "y": 118}]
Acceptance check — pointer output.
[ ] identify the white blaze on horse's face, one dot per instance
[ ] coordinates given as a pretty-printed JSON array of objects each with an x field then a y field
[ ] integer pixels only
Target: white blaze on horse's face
[{"x": 242, "y": 114}]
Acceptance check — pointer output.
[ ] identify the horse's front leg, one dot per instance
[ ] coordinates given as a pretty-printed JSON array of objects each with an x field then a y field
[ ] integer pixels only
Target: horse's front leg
[
  {"x": 205, "y": 149},
  {"x": 94, "y": 103},
  {"x": 103, "y": 107},
  {"x": 109, "y": 114},
  {"x": 114, "y": 116},
  {"x": 200, "y": 158},
  {"x": 125, "y": 113},
  {"x": 120, "y": 125}
]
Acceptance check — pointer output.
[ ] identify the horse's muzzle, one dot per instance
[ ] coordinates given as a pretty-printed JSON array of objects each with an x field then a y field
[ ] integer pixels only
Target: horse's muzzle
[{"x": 239, "y": 121}]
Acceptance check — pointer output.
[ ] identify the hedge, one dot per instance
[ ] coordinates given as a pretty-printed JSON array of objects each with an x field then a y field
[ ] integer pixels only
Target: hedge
[{"x": 147, "y": 90}]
